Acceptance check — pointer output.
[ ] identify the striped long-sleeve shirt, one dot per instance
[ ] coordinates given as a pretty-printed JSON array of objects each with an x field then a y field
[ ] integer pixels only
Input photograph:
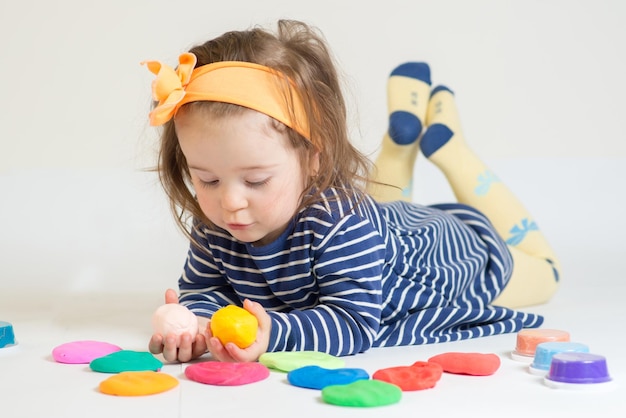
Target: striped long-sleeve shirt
[{"x": 346, "y": 276}]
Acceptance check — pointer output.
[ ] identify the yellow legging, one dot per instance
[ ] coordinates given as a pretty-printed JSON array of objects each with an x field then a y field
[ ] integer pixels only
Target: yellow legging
[{"x": 536, "y": 269}]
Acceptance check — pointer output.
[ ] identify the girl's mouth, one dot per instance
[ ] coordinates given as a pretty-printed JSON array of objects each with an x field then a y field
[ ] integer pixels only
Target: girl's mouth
[{"x": 237, "y": 227}]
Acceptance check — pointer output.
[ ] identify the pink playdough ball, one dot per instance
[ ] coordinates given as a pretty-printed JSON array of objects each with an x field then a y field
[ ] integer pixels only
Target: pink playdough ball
[{"x": 173, "y": 318}]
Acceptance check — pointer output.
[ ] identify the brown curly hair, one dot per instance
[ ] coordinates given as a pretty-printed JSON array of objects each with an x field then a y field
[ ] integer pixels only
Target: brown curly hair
[{"x": 300, "y": 52}]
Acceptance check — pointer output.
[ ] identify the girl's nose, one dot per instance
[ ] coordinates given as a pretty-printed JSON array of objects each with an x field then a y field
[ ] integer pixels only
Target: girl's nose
[{"x": 232, "y": 199}]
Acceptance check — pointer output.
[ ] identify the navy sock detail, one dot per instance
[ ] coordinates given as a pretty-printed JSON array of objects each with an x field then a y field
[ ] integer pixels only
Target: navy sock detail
[
  {"x": 418, "y": 70},
  {"x": 554, "y": 270},
  {"x": 404, "y": 127},
  {"x": 435, "y": 137},
  {"x": 440, "y": 88}
]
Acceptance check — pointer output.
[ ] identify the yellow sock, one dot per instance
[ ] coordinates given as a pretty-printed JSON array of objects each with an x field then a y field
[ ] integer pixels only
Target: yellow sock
[
  {"x": 532, "y": 282},
  {"x": 475, "y": 185},
  {"x": 408, "y": 90}
]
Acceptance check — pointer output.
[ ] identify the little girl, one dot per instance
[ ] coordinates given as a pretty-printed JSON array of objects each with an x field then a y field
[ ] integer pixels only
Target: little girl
[{"x": 287, "y": 219}]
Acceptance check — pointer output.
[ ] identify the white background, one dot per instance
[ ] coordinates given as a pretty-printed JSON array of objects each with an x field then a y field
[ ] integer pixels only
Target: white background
[
  {"x": 533, "y": 78},
  {"x": 540, "y": 86}
]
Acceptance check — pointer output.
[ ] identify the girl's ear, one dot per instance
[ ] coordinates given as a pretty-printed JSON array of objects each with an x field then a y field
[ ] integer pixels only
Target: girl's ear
[{"x": 314, "y": 163}]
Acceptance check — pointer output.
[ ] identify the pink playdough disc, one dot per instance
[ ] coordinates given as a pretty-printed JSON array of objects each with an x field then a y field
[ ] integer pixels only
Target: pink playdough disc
[
  {"x": 226, "y": 374},
  {"x": 82, "y": 352}
]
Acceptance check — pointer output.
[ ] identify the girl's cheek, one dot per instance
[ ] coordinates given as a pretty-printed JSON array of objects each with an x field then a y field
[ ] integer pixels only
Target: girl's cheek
[{"x": 205, "y": 202}]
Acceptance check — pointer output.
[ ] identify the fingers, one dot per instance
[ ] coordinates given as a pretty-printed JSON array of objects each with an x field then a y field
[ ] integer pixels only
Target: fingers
[
  {"x": 265, "y": 325},
  {"x": 170, "y": 348},
  {"x": 228, "y": 353},
  {"x": 239, "y": 355},
  {"x": 185, "y": 349},
  {"x": 175, "y": 348},
  {"x": 171, "y": 296},
  {"x": 217, "y": 349},
  {"x": 155, "y": 346},
  {"x": 258, "y": 311},
  {"x": 199, "y": 346}
]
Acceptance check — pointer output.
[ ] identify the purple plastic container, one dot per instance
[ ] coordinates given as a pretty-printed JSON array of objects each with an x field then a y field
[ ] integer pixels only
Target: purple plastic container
[{"x": 578, "y": 368}]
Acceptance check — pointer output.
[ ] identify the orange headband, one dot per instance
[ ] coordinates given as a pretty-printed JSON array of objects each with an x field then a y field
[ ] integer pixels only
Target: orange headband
[{"x": 242, "y": 83}]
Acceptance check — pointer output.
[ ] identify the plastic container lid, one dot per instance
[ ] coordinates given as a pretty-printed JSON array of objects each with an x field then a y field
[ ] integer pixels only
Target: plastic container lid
[{"x": 578, "y": 368}]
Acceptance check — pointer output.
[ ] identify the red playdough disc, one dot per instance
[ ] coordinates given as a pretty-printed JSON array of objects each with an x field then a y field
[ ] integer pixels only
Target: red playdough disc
[
  {"x": 475, "y": 364},
  {"x": 420, "y": 375}
]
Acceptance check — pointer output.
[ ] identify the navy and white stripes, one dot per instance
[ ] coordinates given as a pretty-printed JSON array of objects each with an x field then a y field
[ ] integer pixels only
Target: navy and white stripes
[{"x": 347, "y": 276}]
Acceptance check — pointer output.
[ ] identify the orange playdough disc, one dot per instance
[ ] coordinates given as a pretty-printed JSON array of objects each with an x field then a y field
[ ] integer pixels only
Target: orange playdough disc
[{"x": 137, "y": 383}]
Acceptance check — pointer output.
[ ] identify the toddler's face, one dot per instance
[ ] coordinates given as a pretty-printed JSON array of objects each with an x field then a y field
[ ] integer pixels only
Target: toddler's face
[{"x": 247, "y": 178}]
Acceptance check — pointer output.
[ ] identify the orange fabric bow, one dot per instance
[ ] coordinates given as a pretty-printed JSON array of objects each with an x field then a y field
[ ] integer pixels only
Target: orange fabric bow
[
  {"x": 169, "y": 86},
  {"x": 242, "y": 83}
]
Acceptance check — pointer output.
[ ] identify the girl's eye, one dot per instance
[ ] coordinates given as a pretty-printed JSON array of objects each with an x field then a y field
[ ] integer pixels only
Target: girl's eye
[
  {"x": 209, "y": 183},
  {"x": 258, "y": 183}
]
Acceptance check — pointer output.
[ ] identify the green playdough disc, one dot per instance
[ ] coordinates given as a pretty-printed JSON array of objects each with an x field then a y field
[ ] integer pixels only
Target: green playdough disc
[
  {"x": 126, "y": 361},
  {"x": 362, "y": 393},
  {"x": 287, "y": 361}
]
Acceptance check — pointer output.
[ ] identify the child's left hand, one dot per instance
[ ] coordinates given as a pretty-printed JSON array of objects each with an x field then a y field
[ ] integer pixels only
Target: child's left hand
[
  {"x": 182, "y": 347},
  {"x": 230, "y": 352}
]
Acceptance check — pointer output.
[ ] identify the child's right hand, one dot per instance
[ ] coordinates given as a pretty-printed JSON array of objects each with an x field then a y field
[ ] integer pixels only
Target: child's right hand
[
  {"x": 231, "y": 352},
  {"x": 181, "y": 348}
]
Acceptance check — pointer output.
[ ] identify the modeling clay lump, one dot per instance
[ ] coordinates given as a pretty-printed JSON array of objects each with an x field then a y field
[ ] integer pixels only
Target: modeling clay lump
[
  {"x": 234, "y": 324},
  {"x": 173, "y": 318}
]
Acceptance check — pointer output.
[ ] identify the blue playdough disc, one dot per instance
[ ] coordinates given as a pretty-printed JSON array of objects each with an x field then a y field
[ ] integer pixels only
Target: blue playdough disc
[{"x": 316, "y": 377}]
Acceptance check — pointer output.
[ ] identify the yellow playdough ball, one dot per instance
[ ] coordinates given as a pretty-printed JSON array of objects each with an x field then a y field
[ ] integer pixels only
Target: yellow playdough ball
[{"x": 232, "y": 324}]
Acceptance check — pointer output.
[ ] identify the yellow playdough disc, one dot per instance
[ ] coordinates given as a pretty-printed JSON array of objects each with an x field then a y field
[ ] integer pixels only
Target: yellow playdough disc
[
  {"x": 234, "y": 324},
  {"x": 138, "y": 383}
]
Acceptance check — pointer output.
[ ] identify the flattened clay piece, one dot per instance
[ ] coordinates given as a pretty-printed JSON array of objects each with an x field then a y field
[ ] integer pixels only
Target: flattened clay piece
[
  {"x": 362, "y": 393},
  {"x": 226, "y": 374},
  {"x": 137, "y": 383},
  {"x": 475, "y": 364},
  {"x": 315, "y": 377},
  {"x": 126, "y": 361},
  {"x": 420, "y": 375},
  {"x": 82, "y": 352},
  {"x": 287, "y": 361}
]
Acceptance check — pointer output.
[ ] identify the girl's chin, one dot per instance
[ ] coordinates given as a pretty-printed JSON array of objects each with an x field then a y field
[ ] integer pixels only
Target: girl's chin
[
  {"x": 249, "y": 236},
  {"x": 246, "y": 237}
]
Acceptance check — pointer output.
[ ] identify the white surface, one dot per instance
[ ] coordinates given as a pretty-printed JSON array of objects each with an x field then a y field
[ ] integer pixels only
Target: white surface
[
  {"x": 121, "y": 233},
  {"x": 33, "y": 385}
]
